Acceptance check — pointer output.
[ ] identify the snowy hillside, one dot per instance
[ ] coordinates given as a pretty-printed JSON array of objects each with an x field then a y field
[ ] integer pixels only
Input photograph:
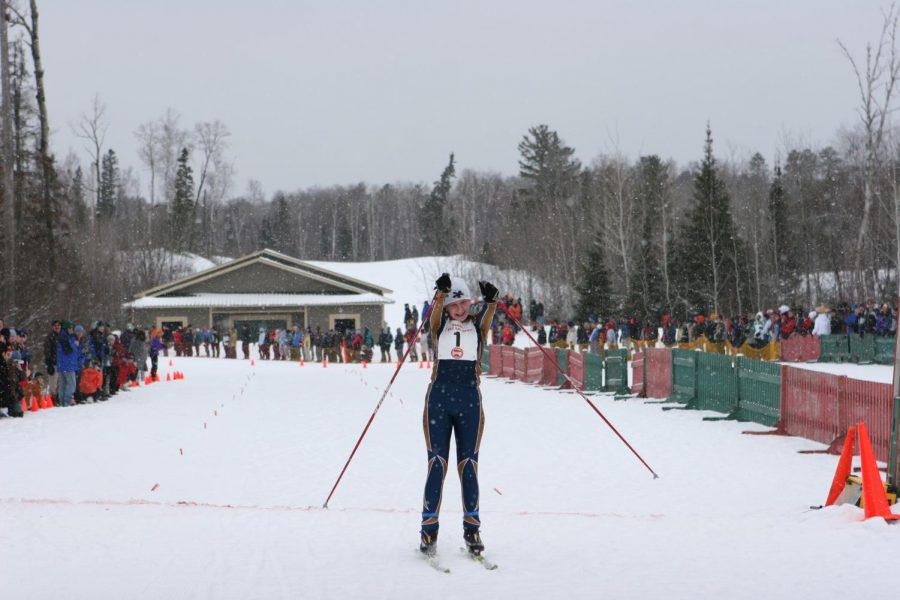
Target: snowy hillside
[{"x": 412, "y": 279}]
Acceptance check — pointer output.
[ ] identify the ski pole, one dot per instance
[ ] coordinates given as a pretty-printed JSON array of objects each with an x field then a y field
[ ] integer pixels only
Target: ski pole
[
  {"x": 577, "y": 391},
  {"x": 383, "y": 396}
]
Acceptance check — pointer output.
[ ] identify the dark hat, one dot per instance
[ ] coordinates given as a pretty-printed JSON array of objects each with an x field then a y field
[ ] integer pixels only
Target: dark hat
[{"x": 68, "y": 325}]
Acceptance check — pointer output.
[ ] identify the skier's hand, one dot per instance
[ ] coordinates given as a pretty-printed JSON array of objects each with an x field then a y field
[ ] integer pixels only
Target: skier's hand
[
  {"x": 488, "y": 291},
  {"x": 443, "y": 283}
]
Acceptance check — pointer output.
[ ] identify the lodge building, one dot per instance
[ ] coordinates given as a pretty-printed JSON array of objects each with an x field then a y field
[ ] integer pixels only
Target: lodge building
[{"x": 263, "y": 289}]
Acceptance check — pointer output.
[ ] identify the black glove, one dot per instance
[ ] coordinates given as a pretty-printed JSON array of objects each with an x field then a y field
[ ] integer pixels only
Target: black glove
[
  {"x": 443, "y": 283},
  {"x": 488, "y": 291}
]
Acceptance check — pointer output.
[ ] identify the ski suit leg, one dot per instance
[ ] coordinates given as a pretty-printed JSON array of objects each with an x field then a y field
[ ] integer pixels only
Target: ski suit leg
[{"x": 452, "y": 409}]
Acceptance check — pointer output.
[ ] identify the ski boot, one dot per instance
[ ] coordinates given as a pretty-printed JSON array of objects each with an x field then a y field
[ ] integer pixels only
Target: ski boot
[
  {"x": 473, "y": 542},
  {"x": 428, "y": 545}
]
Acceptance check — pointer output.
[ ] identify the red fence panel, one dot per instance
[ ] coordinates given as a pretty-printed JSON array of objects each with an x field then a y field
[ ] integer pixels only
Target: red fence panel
[
  {"x": 519, "y": 362},
  {"x": 800, "y": 348},
  {"x": 872, "y": 403},
  {"x": 810, "y": 404},
  {"x": 576, "y": 369},
  {"x": 508, "y": 354},
  {"x": 534, "y": 364},
  {"x": 637, "y": 373},
  {"x": 496, "y": 361},
  {"x": 813, "y": 349},
  {"x": 792, "y": 348},
  {"x": 548, "y": 367},
  {"x": 658, "y": 367}
]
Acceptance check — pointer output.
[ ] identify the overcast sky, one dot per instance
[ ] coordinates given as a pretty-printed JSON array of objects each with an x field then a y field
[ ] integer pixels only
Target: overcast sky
[{"x": 338, "y": 92}]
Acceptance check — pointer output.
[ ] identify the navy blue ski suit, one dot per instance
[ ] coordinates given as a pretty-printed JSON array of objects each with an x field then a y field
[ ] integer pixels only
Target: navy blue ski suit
[{"x": 453, "y": 406}]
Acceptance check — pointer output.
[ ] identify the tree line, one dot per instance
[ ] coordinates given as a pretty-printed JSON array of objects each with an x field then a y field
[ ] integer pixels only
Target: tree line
[{"x": 616, "y": 237}]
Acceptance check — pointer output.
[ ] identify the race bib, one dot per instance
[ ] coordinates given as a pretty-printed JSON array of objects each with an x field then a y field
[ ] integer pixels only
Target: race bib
[{"x": 458, "y": 341}]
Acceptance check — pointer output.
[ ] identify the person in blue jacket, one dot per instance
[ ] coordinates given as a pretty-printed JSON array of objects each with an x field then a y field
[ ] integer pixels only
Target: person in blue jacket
[
  {"x": 68, "y": 362},
  {"x": 453, "y": 404}
]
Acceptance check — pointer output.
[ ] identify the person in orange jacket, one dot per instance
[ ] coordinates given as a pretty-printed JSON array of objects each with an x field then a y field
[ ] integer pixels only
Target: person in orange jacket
[{"x": 91, "y": 381}]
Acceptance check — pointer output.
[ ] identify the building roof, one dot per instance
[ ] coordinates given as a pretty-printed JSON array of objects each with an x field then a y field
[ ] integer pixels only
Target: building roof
[
  {"x": 256, "y": 300},
  {"x": 274, "y": 259}
]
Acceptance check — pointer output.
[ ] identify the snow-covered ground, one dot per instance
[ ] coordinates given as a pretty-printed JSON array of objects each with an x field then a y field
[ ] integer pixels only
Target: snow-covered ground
[{"x": 212, "y": 487}]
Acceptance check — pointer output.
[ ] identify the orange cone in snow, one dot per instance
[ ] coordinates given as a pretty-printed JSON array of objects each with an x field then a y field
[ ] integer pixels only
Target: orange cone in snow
[
  {"x": 421, "y": 365},
  {"x": 148, "y": 380},
  {"x": 301, "y": 361},
  {"x": 843, "y": 468},
  {"x": 34, "y": 404},
  {"x": 156, "y": 377},
  {"x": 428, "y": 365},
  {"x": 364, "y": 364},
  {"x": 324, "y": 362},
  {"x": 170, "y": 362},
  {"x": 24, "y": 405},
  {"x": 168, "y": 377},
  {"x": 874, "y": 496},
  {"x": 252, "y": 363}
]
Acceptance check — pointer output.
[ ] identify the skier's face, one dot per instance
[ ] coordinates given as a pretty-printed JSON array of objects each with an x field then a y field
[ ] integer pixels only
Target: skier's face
[{"x": 458, "y": 311}]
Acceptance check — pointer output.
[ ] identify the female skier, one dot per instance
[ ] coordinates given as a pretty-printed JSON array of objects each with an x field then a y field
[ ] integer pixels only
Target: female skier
[{"x": 453, "y": 403}]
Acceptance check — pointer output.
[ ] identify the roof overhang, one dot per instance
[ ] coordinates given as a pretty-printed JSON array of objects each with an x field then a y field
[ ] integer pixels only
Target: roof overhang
[{"x": 258, "y": 301}]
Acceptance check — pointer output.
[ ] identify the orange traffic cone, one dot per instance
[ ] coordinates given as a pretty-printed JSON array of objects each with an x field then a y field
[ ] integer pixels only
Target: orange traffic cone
[
  {"x": 301, "y": 361},
  {"x": 421, "y": 365},
  {"x": 47, "y": 402},
  {"x": 156, "y": 377},
  {"x": 252, "y": 363},
  {"x": 180, "y": 375},
  {"x": 24, "y": 405},
  {"x": 324, "y": 362},
  {"x": 148, "y": 380},
  {"x": 170, "y": 362},
  {"x": 428, "y": 365},
  {"x": 365, "y": 365},
  {"x": 168, "y": 377},
  {"x": 843, "y": 468},
  {"x": 34, "y": 404},
  {"x": 876, "y": 503}
]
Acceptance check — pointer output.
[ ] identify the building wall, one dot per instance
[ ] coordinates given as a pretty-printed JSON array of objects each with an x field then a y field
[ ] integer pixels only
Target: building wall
[
  {"x": 196, "y": 317},
  {"x": 370, "y": 315},
  {"x": 261, "y": 279}
]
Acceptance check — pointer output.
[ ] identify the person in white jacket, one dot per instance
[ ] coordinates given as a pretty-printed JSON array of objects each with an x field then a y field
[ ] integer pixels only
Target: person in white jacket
[
  {"x": 822, "y": 324},
  {"x": 572, "y": 336}
]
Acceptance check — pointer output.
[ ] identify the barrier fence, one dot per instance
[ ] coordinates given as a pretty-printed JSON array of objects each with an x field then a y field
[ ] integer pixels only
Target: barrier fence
[
  {"x": 638, "y": 371},
  {"x": 519, "y": 363},
  {"x": 801, "y": 402},
  {"x": 658, "y": 372}
]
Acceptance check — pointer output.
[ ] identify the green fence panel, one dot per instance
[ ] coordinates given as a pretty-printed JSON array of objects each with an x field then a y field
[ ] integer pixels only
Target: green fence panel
[
  {"x": 717, "y": 383},
  {"x": 862, "y": 348},
  {"x": 684, "y": 375},
  {"x": 884, "y": 350},
  {"x": 760, "y": 391},
  {"x": 593, "y": 373},
  {"x": 485, "y": 361},
  {"x": 562, "y": 359},
  {"x": 834, "y": 348},
  {"x": 615, "y": 372}
]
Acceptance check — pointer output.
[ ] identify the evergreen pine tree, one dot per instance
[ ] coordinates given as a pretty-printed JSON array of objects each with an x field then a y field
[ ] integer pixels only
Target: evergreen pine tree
[
  {"x": 704, "y": 272},
  {"x": 109, "y": 186},
  {"x": 431, "y": 218},
  {"x": 80, "y": 208},
  {"x": 781, "y": 257},
  {"x": 183, "y": 210},
  {"x": 646, "y": 299},
  {"x": 593, "y": 288},
  {"x": 281, "y": 227}
]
